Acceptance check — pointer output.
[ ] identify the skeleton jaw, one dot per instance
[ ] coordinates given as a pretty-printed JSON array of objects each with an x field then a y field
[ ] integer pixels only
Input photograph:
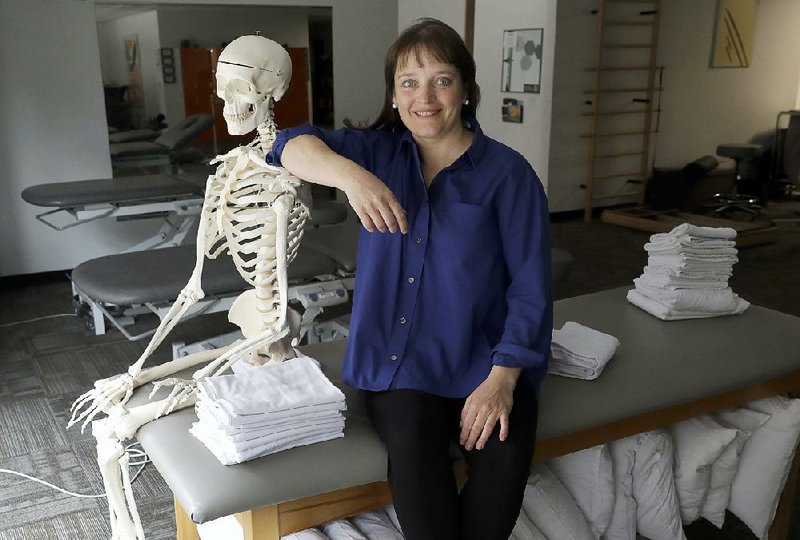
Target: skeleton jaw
[{"x": 242, "y": 118}]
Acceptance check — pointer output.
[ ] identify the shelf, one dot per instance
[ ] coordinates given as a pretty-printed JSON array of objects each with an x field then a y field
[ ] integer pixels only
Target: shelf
[
  {"x": 636, "y": 174},
  {"x": 618, "y": 195},
  {"x": 622, "y": 90},
  {"x": 616, "y": 113},
  {"x": 627, "y": 45},
  {"x": 617, "y": 134},
  {"x": 629, "y": 23},
  {"x": 618, "y": 154},
  {"x": 623, "y": 68}
]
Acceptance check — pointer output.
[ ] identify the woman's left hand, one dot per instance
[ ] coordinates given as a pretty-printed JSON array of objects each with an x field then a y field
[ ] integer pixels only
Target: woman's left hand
[{"x": 489, "y": 402}]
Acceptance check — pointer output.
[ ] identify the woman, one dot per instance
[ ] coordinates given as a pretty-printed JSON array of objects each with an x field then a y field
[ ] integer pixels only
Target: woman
[{"x": 452, "y": 299}]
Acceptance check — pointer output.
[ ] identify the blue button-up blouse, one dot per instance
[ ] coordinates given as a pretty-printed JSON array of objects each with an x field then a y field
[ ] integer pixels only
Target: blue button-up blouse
[{"x": 468, "y": 287}]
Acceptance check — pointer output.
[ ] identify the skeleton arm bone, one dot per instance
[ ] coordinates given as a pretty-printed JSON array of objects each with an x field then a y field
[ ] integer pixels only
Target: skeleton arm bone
[
  {"x": 184, "y": 390},
  {"x": 310, "y": 158},
  {"x": 107, "y": 392},
  {"x": 118, "y": 390}
]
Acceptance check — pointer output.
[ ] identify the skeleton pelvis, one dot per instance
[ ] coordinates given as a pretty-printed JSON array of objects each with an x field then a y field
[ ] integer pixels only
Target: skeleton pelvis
[{"x": 244, "y": 313}]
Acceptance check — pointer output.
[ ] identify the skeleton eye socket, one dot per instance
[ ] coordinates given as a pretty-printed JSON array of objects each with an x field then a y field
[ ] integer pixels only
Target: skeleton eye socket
[{"x": 241, "y": 86}]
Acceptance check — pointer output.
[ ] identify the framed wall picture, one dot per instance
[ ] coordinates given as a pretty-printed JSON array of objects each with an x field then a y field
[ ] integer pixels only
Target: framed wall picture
[
  {"x": 168, "y": 65},
  {"x": 522, "y": 61},
  {"x": 734, "y": 33}
]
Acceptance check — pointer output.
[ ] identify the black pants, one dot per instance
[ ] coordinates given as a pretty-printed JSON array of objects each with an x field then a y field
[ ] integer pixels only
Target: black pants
[{"x": 418, "y": 429}]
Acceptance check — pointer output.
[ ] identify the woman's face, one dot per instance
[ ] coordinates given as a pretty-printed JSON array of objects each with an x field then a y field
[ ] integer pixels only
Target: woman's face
[{"x": 429, "y": 95}]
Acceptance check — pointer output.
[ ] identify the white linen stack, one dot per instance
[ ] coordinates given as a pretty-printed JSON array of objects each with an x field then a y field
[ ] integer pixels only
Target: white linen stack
[
  {"x": 267, "y": 409},
  {"x": 580, "y": 352},
  {"x": 687, "y": 273}
]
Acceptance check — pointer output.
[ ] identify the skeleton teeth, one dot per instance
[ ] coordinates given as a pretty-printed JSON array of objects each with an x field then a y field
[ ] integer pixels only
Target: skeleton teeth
[{"x": 239, "y": 117}]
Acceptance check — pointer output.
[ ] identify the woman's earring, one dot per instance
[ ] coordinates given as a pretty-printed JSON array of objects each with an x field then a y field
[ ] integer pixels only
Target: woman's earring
[
  {"x": 394, "y": 105},
  {"x": 466, "y": 102}
]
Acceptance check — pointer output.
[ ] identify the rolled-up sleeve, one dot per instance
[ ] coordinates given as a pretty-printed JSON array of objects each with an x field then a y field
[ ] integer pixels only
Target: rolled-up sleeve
[
  {"x": 285, "y": 135},
  {"x": 347, "y": 142},
  {"x": 523, "y": 220}
]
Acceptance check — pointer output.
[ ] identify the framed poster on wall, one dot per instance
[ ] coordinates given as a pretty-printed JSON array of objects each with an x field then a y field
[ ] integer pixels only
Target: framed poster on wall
[
  {"x": 522, "y": 61},
  {"x": 734, "y": 33}
]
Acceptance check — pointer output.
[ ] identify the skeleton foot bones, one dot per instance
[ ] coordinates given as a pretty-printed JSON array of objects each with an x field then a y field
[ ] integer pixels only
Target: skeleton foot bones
[{"x": 254, "y": 212}]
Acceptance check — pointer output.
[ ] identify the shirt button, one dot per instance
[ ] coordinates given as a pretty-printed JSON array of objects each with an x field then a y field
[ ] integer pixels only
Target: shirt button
[
  {"x": 402, "y": 320},
  {"x": 393, "y": 357},
  {"x": 411, "y": 280},
  {"x": 419, "y": 240}
]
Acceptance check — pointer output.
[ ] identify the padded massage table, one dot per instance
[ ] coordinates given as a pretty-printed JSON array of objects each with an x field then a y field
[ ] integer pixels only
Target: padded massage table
[
  {"x": 127, "y": 197},
  {"x": 159, "y": 151},
  {"x": 663, "y": 372},
  {"x": 125, "y": 282}
]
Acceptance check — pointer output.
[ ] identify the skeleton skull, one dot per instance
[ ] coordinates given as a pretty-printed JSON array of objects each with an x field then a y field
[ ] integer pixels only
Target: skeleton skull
[{"x": 250, "y": 71}]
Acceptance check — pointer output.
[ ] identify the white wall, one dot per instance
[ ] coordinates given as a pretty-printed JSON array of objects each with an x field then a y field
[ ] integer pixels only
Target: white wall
[
  {"x": 112, "y": 34},
  {"x": 52, "y": 119},
  {"x": 52, "y": 129},
  {"x": 575, "y": 35},
  {"x": 452, "y": 12},
  {"x": 702, "y": 107},
  {"x": 362, "y": 32},
  {"x": 531, "y": 137}
]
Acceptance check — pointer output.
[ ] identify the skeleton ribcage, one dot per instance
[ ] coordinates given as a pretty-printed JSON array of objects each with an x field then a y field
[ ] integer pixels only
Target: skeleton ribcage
[{"x": 241, "y": 219}]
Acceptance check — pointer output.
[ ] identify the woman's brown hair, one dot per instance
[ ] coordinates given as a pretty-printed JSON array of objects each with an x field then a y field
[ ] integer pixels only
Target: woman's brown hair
[{"x": 435, "y": 38}]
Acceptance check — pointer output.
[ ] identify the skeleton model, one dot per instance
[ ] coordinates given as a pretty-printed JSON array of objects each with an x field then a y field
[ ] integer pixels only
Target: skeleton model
[{"x": 256, "y": 213}]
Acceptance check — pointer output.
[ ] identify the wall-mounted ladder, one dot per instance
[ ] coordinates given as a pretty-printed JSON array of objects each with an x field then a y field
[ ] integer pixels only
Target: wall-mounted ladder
[{"x": 621, "y": 102}]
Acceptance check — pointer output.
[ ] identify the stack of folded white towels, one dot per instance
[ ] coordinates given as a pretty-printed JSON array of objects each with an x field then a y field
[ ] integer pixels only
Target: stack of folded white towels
[
  {"x": 687, "y": 273},
  {"x": 580, "y": 352},
  {"x": 267, "y": 409}
]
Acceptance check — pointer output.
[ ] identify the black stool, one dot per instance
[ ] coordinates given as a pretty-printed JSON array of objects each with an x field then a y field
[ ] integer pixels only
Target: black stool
[{"x": 734, "y": 200}]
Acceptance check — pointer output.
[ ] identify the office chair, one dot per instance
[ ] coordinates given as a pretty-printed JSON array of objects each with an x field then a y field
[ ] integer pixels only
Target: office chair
[
  {"x": 734, "y": 200},
  {"x": 159, "y": 152}
]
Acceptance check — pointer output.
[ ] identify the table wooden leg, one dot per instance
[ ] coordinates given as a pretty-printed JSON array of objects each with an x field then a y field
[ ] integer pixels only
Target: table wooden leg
[
  {"x": 185, "y": 527},
  {"x": 260, "y": 524}
]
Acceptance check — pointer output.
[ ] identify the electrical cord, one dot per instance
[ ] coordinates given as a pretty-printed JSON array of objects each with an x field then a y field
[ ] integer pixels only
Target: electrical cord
[
  {"x": 139, "y": 456},
  {"x": 4, "y": 325}
]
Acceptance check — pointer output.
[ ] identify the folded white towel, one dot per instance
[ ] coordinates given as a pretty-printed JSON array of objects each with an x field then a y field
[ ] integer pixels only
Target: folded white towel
[
  {"x": 581, "y": 352},
  {"x": 695, "y": 300},
  {"x": 245, "y": 439},
  {"x": 294, "y": 383},
  {"x": 701, "y": 252},
  {"x": 205, "y": 414},
  {"x": 712, "y": 274},
  {"x": 692, "y": 263},
  {"x": 237, "y": 421},
  {"x": 725, "y": 233},
  {"x": 668, "y": 240},
  {"x": 668, "y": 282},
  {"x": 666, "y": 313},
  {"x": 230, "y": 456},
  {"x": 283, "y": 437}
]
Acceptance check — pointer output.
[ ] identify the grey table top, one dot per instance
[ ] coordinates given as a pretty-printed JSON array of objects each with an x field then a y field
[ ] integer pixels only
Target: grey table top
[{"x": 658, "y": 364}]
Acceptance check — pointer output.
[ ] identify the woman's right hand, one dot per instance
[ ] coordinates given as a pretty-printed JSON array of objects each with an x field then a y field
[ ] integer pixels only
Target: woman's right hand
[
  {"x": 309, "y": 158},
  {"x": 374, "y": 203}
]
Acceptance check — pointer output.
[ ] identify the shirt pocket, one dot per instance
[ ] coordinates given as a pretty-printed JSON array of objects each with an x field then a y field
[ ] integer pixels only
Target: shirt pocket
[{"x": 464, "y": 231}]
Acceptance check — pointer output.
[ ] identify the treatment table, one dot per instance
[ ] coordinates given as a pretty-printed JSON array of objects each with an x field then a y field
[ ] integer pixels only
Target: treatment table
[
  {"x": 128, "y": 197},
  {"x": 663, "y": 372},
  {"x": 119, "y": 286}
]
